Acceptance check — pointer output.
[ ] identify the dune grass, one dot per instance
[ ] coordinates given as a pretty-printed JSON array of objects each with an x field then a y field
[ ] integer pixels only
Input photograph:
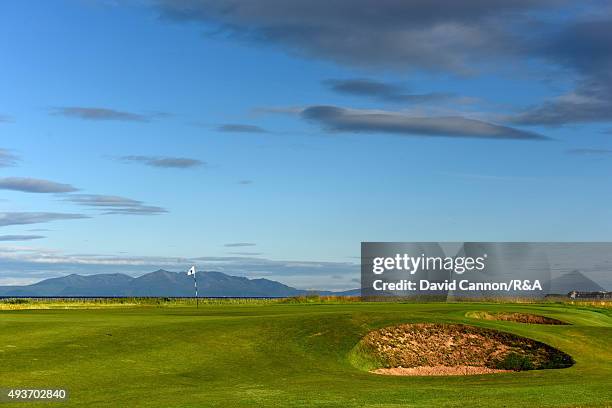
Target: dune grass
[{"x": 284, "y": 354}]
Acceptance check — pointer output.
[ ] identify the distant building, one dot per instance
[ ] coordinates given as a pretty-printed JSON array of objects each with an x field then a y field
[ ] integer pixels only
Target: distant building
[{"x": 574, "y": 294}]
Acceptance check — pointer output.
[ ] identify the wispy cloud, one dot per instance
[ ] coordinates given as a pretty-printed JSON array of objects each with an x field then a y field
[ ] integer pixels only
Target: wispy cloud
[
  {"x": 96, "y": 113},
  {"x": 114, "y": 205},
  {"x": 588, "y": 103},
  {"x": 240, "y": 244},
  {"x": 23, "y": 218},
  {"x": 583, "y": 47},
  {"x": 164, "y": 161},
  {"x": 33, "y": 185},
  {"x": 338, "y": 119},
  {"x": 383, "y": 91},
  {"x": 5, "y": 118},
  {"x": 245, "y": 182},
  {"x": 570, "y": 43},
  {"x": 240, "y": 128},
  {"x": 7, "y": 158},
  {"x": 433, "y": 35},
  {"x": 590, "y": 152},
  {"x": 20, "y": 237},
  {"x": 245, "y": 253}
]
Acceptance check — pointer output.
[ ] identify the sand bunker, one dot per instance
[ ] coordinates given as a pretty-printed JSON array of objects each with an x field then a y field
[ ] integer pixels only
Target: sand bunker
[
  {"x": 515, "y": 317},
  {"x": 439, "y": 370},
  {"x": 454, "y": 349}
]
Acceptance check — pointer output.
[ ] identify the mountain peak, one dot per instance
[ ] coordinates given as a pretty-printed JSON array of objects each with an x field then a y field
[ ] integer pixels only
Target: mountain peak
[
  {"x": 160, "y": 271},
  {"x": 574, "y": 280},
  {"x": 159, "y": 283}
]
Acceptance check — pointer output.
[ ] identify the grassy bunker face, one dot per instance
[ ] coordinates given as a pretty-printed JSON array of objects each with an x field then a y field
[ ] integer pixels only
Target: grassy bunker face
[
  {"x": 515, "y": 317},
  {"x": 452, "y": 349}
]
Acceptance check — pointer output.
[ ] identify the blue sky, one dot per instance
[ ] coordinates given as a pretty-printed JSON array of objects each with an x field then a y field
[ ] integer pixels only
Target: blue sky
[{"x": 298, "y": 128}]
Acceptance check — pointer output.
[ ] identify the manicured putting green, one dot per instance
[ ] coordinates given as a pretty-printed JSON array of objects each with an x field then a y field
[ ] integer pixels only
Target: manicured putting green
[{"x": 284, "y": 355}]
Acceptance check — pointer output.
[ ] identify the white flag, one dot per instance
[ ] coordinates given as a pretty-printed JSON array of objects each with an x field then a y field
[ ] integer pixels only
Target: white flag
[{"x": 191, "y": 271}]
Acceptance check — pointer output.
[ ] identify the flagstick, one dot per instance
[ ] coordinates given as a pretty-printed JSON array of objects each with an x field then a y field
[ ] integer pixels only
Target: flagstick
[
  {"x": 195, "y": 283},
  {"x": 192, "y": 271}
]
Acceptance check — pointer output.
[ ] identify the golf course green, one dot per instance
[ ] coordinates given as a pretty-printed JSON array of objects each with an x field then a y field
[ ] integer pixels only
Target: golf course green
[{"x": 285, "y": 355}]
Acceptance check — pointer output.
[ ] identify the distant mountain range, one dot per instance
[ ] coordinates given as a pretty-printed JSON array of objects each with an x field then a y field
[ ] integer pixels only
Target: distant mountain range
[
  {"x": 160, "y": 283},
  {"x": 211, "y": 284},
  {"x": 574, "y": 280}
]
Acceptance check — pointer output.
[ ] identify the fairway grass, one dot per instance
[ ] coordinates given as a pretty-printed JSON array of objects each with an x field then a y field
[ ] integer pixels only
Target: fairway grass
[{"x": 284, "y": 355}]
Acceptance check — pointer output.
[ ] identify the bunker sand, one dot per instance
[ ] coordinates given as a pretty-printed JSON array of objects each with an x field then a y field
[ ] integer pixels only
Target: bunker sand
[
  {"x": 438, "y": 370},
  {"x": 456, "y": 349}
]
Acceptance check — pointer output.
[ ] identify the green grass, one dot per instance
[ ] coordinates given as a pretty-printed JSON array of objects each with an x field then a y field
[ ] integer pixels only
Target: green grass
[{"x": 275, "y": 354}]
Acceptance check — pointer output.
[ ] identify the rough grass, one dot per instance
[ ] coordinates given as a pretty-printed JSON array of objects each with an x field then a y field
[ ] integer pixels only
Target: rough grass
[
  {"x": 515, "y": 317},
  {"x": 284, "y": 355},
  {"x": 98, "y": 303}
]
